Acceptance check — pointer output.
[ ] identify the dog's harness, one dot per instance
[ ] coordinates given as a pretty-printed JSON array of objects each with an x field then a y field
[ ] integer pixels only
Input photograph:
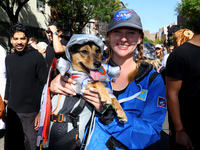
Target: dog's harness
[{"x": 107, "y": 74}]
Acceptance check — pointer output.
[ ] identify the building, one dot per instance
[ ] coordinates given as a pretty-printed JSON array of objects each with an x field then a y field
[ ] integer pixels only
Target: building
[
  {"x": 35, "y": 14},
  {"x": 150, "y": 36},
  {"x": 163, "y": 34}
]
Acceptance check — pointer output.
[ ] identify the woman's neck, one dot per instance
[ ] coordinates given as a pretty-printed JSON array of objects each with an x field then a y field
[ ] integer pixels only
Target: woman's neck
[
  {"x": 124, "y": 63},
  {"x": 127, "y": 65}
]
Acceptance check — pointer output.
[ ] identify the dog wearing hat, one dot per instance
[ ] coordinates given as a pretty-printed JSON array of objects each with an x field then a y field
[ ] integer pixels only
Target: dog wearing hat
[{"x": 85, "y": 66}]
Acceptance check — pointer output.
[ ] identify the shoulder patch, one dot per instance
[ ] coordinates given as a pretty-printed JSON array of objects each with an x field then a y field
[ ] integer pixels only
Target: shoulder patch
[
  {"x": 143, "y": 95},
  {"x": 162, "y": 102}
]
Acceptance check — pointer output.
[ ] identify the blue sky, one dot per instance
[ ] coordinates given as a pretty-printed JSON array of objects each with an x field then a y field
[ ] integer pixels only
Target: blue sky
[{"x": 154, "y": 14}]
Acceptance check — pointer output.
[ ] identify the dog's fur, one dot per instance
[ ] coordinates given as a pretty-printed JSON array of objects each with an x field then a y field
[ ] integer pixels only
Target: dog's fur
[{"x": 88, "y": 57}]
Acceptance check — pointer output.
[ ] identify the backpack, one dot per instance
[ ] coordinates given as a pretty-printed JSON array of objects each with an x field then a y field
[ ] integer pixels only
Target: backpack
[
  {"x": 69, "y": 120},
  {"x": 63, "y": 119}
]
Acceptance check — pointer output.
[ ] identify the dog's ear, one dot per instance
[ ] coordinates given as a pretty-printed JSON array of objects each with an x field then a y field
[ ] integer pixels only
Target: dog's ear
[{"x": 73, "y": 50}]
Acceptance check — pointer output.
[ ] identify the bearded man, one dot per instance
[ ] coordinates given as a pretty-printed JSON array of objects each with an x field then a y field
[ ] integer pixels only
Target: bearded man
[{"x": 26, "y": 76}]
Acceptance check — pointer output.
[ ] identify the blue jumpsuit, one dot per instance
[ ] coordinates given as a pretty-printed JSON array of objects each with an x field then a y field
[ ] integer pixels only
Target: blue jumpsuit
[{"x": 145, "y": 106}]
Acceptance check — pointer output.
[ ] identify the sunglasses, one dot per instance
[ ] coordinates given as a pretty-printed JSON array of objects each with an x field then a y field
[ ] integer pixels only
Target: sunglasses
[{"x": 48, "y": 31}]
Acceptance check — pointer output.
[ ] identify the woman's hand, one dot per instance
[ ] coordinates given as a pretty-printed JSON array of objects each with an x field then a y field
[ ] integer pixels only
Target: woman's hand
[
  {"x": 92, "y": 96},
  {"x": 61, "y": 85}
]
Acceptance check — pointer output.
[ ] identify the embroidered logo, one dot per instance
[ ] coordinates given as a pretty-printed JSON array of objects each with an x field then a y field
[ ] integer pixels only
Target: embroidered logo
[
  {"x": 123, "y": 15},
  {"x": 143, "y": 95},
  {"x": 162, "y": 102}
]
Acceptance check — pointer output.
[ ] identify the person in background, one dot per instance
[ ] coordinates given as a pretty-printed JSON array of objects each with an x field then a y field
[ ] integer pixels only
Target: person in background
[
  {"x": 26, "y": 75},
  {"x": 164, "y": 60},
  {"x": 170, "y": 49},
  {"x": 159, "y": 52},
  {"x": 146, "y": 113},
  {"x": 182, "y": 90},
  {"x": 33, "y": 42},
  {"x": 7, "y": 49},
  {"x": 41, "y": 47},
  {"x": 164, "y": 49},
  {"x": 2, "y": 91},
  {"x": 57, "y": 47}
]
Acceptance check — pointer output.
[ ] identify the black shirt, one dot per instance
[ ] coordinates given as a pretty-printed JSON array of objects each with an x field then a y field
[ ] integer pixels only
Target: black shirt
[
  {"x": 26, "y": 76},
  {"x": 50, "y": 53},
  {"x": 184, "y": 64}
]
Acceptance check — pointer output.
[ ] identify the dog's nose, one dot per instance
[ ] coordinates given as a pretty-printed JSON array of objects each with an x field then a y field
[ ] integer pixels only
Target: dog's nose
[{"x": 97, "y": 64}]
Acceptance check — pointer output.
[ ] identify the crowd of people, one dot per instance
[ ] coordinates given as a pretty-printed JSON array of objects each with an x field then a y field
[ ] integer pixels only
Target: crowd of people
[{"x": 167, "y": 79}]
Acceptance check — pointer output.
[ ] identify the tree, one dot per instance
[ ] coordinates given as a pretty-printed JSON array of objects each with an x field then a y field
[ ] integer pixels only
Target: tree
[
  {"x": 75, "y": 14},
  {"x": 105, "y": 9},
  {"x": 146, "y": 40},
  {"x": 9, "y": 6},
  {"x": 188, "y": 9}
]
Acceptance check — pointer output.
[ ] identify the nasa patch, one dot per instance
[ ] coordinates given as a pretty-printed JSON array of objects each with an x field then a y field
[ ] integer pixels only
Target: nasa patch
[
  {"x": 162, "y": 102},
  {"x": 123, "y": 15}
]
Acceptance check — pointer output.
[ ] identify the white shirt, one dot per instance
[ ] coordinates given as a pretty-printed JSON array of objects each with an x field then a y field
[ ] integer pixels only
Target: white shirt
[
  {"x": 164, "y": 60},
  {"x": 2, "y": 78}
]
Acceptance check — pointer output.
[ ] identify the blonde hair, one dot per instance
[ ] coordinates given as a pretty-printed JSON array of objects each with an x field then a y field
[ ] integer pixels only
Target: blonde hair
[
  {"x": 155, "y": 62},
  {"x": 182, "y": 36},
  {"x": 159, "y": 55},
  {"x": 170, "y": 47}
]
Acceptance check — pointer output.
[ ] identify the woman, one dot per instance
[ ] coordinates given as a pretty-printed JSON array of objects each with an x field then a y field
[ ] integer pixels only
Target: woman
[
  {"x": 159, "y": 52},
  {"x": 142, "y": 95}
]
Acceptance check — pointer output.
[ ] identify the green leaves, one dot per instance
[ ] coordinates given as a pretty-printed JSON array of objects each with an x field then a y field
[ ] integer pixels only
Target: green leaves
[
  {"x": 75, "y": 14},
  {"x": 189, "y": 9}
]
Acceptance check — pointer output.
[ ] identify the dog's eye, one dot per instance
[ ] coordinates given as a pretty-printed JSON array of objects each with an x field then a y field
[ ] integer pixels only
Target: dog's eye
[
  {"x": 98, "y": 51},
  {"x": 84, "y": 52}
]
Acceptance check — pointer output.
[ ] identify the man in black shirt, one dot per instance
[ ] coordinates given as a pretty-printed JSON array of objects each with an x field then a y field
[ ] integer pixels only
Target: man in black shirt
[
  {"x": 183, "y": 91},
  {"x": 26, "y": 75},
  {"x": 57, "y": 48}
]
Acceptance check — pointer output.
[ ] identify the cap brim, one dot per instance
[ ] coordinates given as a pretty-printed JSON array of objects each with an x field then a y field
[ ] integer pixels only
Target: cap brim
[{"x": 125, "y": 25}]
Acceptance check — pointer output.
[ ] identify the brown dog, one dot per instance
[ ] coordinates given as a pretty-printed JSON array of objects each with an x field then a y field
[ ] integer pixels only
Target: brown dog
[{"x": 87, "y": 58}]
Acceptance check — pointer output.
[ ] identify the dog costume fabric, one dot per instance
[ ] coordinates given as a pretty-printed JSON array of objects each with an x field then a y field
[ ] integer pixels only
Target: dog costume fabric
[{"x": 107, "y": 73}]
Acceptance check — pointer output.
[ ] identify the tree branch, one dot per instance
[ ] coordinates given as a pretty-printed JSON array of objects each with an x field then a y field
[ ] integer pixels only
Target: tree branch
[{"x": 19, "y": 8}]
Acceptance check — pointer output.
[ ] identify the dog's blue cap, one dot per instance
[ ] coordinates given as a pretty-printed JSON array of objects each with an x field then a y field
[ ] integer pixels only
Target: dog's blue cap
[{"x": 81, "y": 39}]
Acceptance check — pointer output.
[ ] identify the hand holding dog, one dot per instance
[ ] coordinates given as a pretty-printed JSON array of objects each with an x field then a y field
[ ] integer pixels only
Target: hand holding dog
[
  {"x": 61, "y": 85},
  {"x": 93, "y": 97}
]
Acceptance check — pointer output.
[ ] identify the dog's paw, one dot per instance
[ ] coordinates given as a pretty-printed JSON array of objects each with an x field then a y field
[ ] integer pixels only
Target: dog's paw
[
  {"x": 106, "y": 100},
  {"x": 121, "y": 116}
]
